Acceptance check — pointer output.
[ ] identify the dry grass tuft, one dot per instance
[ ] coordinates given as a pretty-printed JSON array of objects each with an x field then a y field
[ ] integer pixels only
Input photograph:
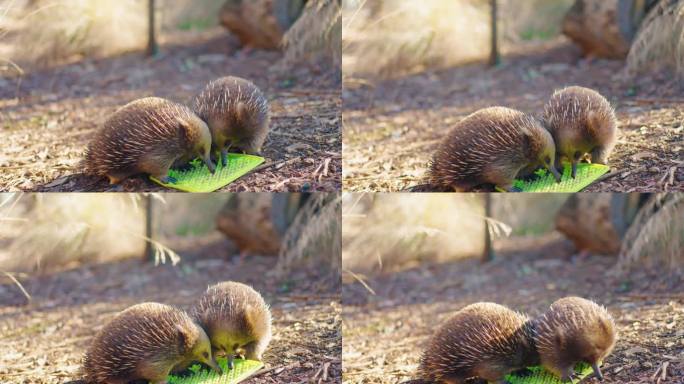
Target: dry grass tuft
[
  {"x": 656, "y": 237},
  {"x": 317, "y": 31},
  {"x": 57, "y": 230},
  {"x": 48, "y": 31},
  {"x": 315, "y": 235},
  {"x": 392, "y": 36},
  {"x": 393, "y": 231},
  {"x": 659, "y": 44}
]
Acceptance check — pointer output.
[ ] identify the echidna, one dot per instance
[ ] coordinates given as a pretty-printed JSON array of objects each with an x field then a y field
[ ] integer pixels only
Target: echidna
[
  {"x": 237, "y": 113},
  {"x": 581, "y": 121},
  {"x": 491, "y": 146},
  {"x": 574, "y": 330},
  {"x": 236, "y": 318},
  {"x": 147, "y": 136},
  {"x": 483, "y": 340},
  {"x": 144, "y": 342}
]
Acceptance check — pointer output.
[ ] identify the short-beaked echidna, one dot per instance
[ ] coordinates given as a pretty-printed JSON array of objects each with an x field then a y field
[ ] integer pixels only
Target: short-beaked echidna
[
  {"x": 571, "y": 331},
  {"x": 491, "y": 146},
  {"x": 483, "y": 340},
  {"x": 237, "y": 113},
  {"x": 236, "y": 318},
  {"x": 581, "y": 121},
  {"x": 144, "y": 342},
  {"x": 147, "y": 136}
]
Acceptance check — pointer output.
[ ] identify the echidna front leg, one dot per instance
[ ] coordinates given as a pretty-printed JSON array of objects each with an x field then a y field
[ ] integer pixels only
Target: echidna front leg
[
  {"x": 254, "y": 350},
  {"x": 599, "y": 155},
  {"x": 224, "y": 156},
  {"x": 159, "y": 168}
]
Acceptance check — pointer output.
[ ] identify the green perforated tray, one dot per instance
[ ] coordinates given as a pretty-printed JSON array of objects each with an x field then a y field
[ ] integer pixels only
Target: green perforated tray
[
  {"x": 241, "y": 371},
  {"x": 541, "y": 376},
  {"x": 544, "y": 181},
  {"x": 199, "y": 179}
]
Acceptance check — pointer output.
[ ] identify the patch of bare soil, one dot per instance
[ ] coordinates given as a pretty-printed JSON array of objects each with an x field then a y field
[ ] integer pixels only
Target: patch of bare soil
[
  {"x": 43, "y": 341},
  {"x": 392, "y": 127},
  {"x": 47, "y": 120},
  {"x": 384, "y": 334}
]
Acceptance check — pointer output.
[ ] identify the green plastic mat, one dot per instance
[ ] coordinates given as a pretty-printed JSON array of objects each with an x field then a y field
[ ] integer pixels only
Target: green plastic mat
[
  {"x": 541, "y": 376},
  {"x": 199, "y": 179},
  {"x": 543, "y": 180},
  {"x": 241, "y": 371}
]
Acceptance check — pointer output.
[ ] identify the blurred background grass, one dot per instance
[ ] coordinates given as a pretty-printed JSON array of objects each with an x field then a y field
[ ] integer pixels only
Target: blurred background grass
[
  {"x": 395, "y": 231},
  {"x": 49, "y": 232},
  {"x": 386, "y": 37},
  {"x": 392, "y": 232},
  {"x": 49, "y": 31}
]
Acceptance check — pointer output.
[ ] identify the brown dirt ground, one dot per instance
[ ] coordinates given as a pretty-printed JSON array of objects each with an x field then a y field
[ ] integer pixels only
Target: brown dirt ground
[
  {"x": 46, "y": 122},
  {"x": 391, "y": 127},
  {"x": 385, "y": 334},
  {"x": 43, "y": 341}
]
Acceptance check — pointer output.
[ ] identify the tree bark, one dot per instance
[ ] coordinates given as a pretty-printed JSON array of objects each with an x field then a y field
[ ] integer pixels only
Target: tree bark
[
  {"x": 257, "y": 222},
  {"x": 260, "y": 23},
  {"x": 605, "y": 28},
  {"x": 597, "y": 222}
]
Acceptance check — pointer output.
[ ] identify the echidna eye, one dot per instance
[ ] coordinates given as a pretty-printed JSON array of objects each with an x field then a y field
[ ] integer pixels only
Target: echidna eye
[
  {"x": 206, "y": 355},
  {"x": 547, "y": 159}
]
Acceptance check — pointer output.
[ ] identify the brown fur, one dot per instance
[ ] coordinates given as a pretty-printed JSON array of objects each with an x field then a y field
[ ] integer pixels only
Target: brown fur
[
  {"x": 145, "y": 341},
  {"x": 236, "y": 318},
  {"x": 482, "y": 340},
  {"x": 146, "y": 136},
  {"x": 581, "y": 121},
  {"x": 574, "y": 330},
  {"x": 490, "y": 146},
  {"x": 237, "y": 113}
]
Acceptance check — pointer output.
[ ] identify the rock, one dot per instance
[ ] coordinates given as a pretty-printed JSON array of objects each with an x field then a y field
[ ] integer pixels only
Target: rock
[
  {"x": 260, "y": 23},
  {"x": 605, "y": 28}
]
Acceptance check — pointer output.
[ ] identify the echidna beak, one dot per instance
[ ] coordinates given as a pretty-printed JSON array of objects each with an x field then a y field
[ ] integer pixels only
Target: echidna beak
[
  {"x": 597, "y": 371},
  {"x": 574, "y": 169},
  {"x": 555, "y": 173},
  {"x": 210, "y": 164},
  {"x": 214, "y": 365}
]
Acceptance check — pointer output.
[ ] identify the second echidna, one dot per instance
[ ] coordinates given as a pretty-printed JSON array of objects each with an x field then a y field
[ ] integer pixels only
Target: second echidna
[
  {"x": 237, "y": 114},
  {"x": 581, "y": 121},
  {"x": 144, "y": 342},
  {"x": 147, "y": 136},
  {"x": 571, "y": 331},
  {"x": 491, "y": 146},
  {"x": 483, "y": 340},
  {"x": 236, "y": 318}
]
